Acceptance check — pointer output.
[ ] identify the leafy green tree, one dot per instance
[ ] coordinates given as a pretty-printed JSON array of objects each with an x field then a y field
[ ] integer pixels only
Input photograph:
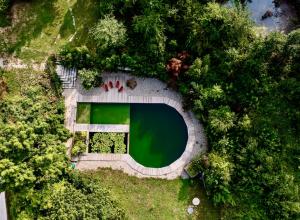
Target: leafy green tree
[
  {"x": 217, "y": 27},
  {"x": 79, "y": 143},
  {"x": 199, "y": 69},
  {"x": 151, "y": 29},
  {"x": 221, "y": 119},
  {"x": 218, "y": 178},
  {"x": 78, "y": 198},
  {"x": 3, "y": 5},
  {"x": 101, "y": 143},
  {"x": 109, "y": 33},
  {"x": 89, "y": 78}
]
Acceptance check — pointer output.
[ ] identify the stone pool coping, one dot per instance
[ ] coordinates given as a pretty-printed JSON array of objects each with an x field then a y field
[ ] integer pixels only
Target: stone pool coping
[{"x": 195, "y": 143}]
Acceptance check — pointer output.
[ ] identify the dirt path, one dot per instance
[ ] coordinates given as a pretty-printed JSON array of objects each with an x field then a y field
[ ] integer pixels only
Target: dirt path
[{"x": 9, "y": 63}]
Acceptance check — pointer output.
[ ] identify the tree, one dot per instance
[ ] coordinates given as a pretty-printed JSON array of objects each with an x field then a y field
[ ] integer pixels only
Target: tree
[
  {"x": 218, "y": 177},
  {"x": 150, "y": 29},
  {"x": 221, "y": 119},
  {"x": 217, "y": 28},
  {"x": 3, "y": 6},
  {"x": 109, "y": 33},
  {"x": 72, "y": 198},
  {"x": 89, "y": 78}
]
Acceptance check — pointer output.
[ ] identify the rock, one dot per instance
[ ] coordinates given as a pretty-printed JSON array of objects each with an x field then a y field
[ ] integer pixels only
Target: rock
[
  {"x": 131, "y": 83},
  {"x": 267, "y": 14}
]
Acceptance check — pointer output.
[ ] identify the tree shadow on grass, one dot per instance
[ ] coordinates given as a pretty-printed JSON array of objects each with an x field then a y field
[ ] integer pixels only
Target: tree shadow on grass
[
  {"x": 40, "y": 14},
  {"x": 86, "y": 15}
]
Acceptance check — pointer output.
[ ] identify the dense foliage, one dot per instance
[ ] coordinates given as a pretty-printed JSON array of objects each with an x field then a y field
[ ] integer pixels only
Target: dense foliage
[
  {"x": 108, "y": 143},
  {"x": 79, "y": 143},
  {"x": 89, "y": 78},
  {"x": 3, "y": 5},
  {"x": 34, "y": 168},
  {"x": 243, "y": 87},
  {"x": 109, "y": 33}
]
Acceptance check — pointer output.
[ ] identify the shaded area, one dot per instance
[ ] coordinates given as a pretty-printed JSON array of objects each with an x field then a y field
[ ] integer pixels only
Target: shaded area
[{"x": 158, "y": 134}]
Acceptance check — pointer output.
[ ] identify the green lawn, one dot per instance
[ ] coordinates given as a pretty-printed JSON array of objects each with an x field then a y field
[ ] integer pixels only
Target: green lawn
[
  {"x": 83, "y": 113},
  {"x": 42, "y": 27},
  {"x": 155, "y": 199},
  {"x": 110, "y": 113}
]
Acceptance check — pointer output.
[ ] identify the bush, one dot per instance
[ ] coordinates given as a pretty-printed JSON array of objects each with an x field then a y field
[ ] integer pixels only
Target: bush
[
  {"x": 79, "y": 146},
  {"x": 55, "y": 80},
  {"x": 108, "y": 143},
  {"x": 78, "y": 57},
  {"x": 89, "y": 78}
]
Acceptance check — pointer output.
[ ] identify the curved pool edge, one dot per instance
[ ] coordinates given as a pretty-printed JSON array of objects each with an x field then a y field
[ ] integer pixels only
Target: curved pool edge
[
  {"x": 143, "y": 171},
  {"x": 196, "y": 141}
]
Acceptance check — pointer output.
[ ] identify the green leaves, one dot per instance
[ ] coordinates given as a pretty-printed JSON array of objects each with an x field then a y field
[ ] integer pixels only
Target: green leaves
[
  {"x": 221, "y": 119},
  {"x": 108, "y": 143},
  {"x": 109, "y": 33},
  {"x": 89, "y": 78}
]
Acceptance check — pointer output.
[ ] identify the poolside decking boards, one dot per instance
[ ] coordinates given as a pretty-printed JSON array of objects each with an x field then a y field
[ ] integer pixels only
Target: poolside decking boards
[
  {"x": 148, "y": 90},
  {"x": 101, "y": 128}
]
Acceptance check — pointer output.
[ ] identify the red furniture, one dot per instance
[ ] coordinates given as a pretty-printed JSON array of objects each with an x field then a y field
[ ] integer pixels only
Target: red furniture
[
  {"x": 118, "y": 84},
  {"x": 106, "y": 87},
  {"x": 111, "y": 84},
  {"x": 120, "y": 89}
]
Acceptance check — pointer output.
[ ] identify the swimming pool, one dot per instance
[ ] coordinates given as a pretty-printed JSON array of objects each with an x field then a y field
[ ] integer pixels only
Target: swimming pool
[{"x": 158, "y": 133}]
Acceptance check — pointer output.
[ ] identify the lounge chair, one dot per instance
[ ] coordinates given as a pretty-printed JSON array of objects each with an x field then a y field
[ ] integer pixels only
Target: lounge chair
[
  {"x": 118, "y": 84},
  {"x": 106, "y": 87},
  {"x": 120, "y": 89},
  {"x": 111, "y": 84}
]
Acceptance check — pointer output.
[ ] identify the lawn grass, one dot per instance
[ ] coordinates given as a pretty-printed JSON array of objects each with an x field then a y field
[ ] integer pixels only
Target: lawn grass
[
  {"x": 83, "y": 113},
  {"x": 41, "y": 28},
  {"x": 155, "y": 199},
  {"x": 110, "y": 113}
]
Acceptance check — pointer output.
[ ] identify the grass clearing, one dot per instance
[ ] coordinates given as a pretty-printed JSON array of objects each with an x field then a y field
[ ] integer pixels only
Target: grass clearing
[
  {"x": 83, "y": 113},
  {"x": 155, "y": 199}
]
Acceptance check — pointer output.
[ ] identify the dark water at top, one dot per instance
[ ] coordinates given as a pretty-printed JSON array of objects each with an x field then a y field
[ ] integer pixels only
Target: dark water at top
[
  {"x": 283, "y": 17},
  {"x": 158, "y": 134}
]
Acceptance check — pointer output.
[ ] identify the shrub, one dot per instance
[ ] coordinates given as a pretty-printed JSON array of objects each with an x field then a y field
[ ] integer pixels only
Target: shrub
[
  {"x": 55, "y": 80},
  {"x": 78, "y": 57},
  {"x": 108, "y": 143},
  {"x": 89, "y": 78},
  {"x": 79, "y": 143}
]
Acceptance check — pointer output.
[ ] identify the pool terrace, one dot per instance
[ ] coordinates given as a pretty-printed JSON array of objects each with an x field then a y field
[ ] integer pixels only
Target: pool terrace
[{"x": 147, "y": 91}]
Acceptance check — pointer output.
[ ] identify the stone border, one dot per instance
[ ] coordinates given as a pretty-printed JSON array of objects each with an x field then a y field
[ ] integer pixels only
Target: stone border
[{"x": 196, "y": 140}]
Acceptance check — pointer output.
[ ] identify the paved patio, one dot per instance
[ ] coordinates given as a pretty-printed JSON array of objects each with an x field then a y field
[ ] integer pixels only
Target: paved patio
[{"x": 148, "y": 90}]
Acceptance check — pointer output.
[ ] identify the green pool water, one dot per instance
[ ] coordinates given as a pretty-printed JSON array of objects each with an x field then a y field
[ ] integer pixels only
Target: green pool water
[
  {"x": 103, "y": 113},
  {"x": 158, "y": 134}
]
